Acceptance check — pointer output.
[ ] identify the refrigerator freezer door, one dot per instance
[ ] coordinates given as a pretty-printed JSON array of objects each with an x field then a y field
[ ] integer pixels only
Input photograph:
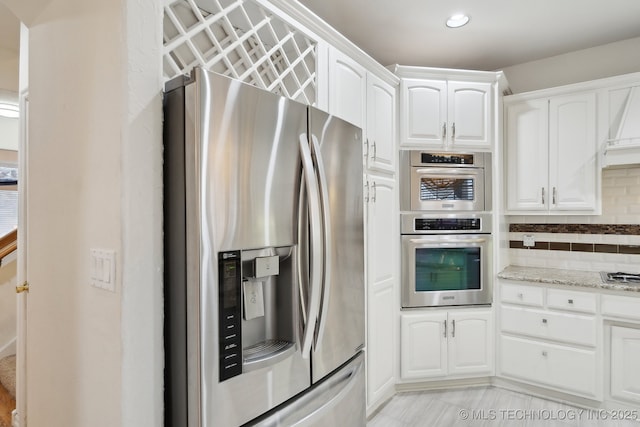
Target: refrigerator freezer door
[
  {"x": 340, "y": 332},
  {"x": 339, "y": 400}
]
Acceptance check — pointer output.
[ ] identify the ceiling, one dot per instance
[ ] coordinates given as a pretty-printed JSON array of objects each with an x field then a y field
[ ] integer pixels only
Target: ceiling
[{"x": 501, "y": 33}]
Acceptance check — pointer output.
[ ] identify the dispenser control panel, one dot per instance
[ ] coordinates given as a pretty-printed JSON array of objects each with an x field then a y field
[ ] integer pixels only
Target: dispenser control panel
[{"x": 230, "y": 309}]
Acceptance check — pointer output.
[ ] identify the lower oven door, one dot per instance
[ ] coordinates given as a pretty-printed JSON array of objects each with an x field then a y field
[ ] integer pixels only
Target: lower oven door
[{"x": 442, "y": 270}]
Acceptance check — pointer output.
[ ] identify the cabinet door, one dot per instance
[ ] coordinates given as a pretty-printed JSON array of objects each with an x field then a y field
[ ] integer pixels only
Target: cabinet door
[
  {"x": 423, "y": 349},
  {"x": 347, "y": 88},
  {"x": 625, "y": 369},
  {"x": 381, "y": 125},
  {"x": 572, "y": 152},
  {"x": 382, "y": 232},
  {"x": 382, "y": 260},
  {"x": 423, "y": 112},
  {"x": 469, "y": 115},
  {"x": 527, "y": 156},
  {"x": 470, "y": 344},
  {"x": 381, "y": 341}
]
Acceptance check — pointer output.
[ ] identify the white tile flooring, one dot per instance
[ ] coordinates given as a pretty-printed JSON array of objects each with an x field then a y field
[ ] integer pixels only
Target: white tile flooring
[{"x": 489, "y": 407}]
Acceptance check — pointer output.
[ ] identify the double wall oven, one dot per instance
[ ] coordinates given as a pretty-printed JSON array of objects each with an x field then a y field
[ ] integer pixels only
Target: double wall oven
[{"x": 446, "y": 228}]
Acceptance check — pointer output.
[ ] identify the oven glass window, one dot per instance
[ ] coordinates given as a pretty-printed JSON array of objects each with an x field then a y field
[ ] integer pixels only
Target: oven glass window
[
  {"x": 446, "y": 188},
  {"x": 447, "y": 269}
]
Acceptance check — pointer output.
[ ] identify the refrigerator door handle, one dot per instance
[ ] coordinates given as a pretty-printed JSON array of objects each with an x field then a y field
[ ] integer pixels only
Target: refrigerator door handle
[
  {"x": 315, "y": 243},
  {"x": 327, "y": 244}
]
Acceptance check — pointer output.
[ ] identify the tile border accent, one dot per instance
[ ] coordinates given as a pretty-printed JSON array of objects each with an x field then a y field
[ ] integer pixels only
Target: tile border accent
[
  {"x": 622, "y": 229},
  {"x": 578, "y": 247}
]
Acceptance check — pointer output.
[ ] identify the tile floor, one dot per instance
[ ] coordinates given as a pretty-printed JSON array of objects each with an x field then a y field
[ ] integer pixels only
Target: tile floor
[{"x": 488, "y": 407}]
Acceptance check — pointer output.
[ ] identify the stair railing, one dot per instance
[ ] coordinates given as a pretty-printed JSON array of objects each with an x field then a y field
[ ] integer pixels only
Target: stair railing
[{"x": 8, "y": 244}]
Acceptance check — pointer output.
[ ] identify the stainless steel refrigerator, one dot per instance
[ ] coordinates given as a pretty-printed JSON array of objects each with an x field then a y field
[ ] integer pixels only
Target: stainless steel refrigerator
[{"x": 264, "y": 268}]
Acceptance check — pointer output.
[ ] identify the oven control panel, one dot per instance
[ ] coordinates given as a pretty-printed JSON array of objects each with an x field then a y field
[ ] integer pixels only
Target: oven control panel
[{"x": 450, "y": 224}]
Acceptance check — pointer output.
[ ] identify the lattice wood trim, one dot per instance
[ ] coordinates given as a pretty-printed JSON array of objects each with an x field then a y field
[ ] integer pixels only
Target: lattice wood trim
[{"x": 240, "y": 39}]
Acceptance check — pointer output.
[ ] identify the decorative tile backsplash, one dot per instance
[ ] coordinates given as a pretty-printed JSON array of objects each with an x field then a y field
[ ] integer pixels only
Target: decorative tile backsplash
[{"x": 607, "y": 242}]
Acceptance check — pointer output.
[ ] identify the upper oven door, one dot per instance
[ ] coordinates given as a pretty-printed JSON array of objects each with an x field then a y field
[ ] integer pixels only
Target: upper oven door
[
  {"x": 440, "y": 270},
  {"x": 456, "y": 189}
]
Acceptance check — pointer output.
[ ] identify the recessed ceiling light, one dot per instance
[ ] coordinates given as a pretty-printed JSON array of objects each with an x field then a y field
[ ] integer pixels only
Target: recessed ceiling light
[{"x": 457, "y": 21}]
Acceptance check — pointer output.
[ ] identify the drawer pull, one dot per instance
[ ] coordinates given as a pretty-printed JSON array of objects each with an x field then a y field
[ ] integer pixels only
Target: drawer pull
[
  {"x": 544, "y": 353},
  {"x": 570, "y": 301},
  {"x": 544, "y": 321}
]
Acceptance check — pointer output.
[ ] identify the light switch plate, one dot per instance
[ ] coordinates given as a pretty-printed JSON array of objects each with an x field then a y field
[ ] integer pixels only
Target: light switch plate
[{"x": 102, "y": 269}]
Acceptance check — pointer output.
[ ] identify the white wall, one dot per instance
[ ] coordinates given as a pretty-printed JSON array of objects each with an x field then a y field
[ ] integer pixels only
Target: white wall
[
  {"x": 95, "y": 358},
  {"x": 9, "y": 70},
  {"x": 603, "y": 61},
  {"x": 74, "y": 180},
  {"x": 8, "y": 305}
]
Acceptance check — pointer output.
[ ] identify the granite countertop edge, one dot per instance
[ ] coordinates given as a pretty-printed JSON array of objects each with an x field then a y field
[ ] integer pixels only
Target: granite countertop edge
[{"x": 556, "y": 276}]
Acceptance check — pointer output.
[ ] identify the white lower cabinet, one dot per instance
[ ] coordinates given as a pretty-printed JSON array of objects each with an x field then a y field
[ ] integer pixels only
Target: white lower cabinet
[
  {"x": 551, "y": 338},
  {"x": 572, "y": 370},
  {"x": 446, "y": 343},
  {"x": 625, "y": 364}
]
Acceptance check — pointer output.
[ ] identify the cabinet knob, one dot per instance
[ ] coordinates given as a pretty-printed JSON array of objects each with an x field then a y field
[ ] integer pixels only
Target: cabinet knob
[
  {"x": 520, "y": 295},
  {"x": 445, "y": 328},
  {"x": 544, "y": 353},
  {"x": 444, "y": 131},
  {"x": 453, "y": 132},
  {"x": 544, "y": 321},
  {"x": 543, "y": 195},
  {"x": 570, "y": 301},
  {"x": 374, "y": 151}
]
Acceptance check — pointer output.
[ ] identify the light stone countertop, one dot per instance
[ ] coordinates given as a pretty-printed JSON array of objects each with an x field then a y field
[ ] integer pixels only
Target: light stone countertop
[{"x": 555, "y": 276}]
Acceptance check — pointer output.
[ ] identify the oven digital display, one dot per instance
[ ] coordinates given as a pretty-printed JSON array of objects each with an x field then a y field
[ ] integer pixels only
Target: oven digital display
[
  {"x": 447, "y": 269},
  {"x": 444, "y": 158},
  {"x": 443, "y": 224}
]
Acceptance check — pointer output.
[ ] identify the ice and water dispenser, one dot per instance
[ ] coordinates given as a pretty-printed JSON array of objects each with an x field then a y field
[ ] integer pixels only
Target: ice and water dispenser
[{"x": 257, "y": 306}]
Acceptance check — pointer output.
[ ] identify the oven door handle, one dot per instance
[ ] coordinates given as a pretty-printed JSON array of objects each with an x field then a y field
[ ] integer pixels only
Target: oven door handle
[{"x": 440, "y": 242}]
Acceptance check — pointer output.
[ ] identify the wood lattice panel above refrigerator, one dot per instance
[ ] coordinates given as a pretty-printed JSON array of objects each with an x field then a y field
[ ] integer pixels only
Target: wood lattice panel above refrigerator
[{"x": 240, "y": 39}]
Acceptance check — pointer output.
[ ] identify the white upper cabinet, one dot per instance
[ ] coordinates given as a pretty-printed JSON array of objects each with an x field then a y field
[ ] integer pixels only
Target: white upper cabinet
[
  {"x": 347, "y": 88},
  {"x": 469, "y": 114},
  {"x": 552, "y": 155},
  {"x": 423, "y": 112},
  {"x": 445, "y": 114},
  {"x": 573, "y": 152},
  {"x": 368, "y": 102},
  {"x": 528, "y": 155},
  {"x": 381, "y": 125}
]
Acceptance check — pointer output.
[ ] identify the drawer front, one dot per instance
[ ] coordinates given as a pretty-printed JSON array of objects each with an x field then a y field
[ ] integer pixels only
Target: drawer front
[
  {"x": 572, "y": 301},
  {"x": 565, "y": 369},
  {"x": 561, "y": 327},
  {"x": 619, "y": 306},
  {"x": 522, "y": 294}
]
